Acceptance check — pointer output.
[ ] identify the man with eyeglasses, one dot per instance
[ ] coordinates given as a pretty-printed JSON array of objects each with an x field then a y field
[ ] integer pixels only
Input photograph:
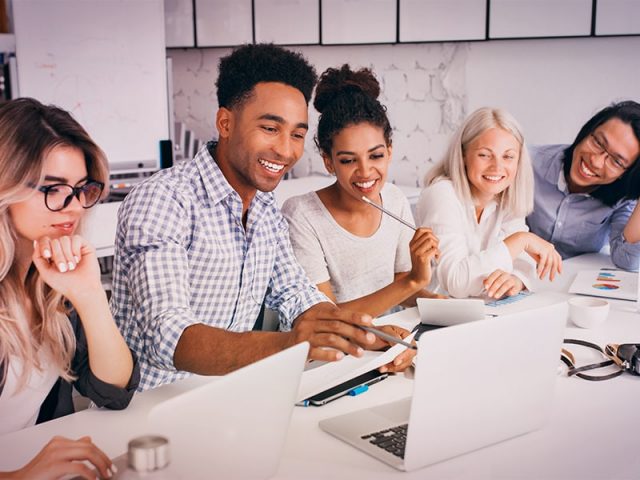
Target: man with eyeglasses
[
  {"x": 586, "y": 193},
  {"x": 201, "y": 246}
]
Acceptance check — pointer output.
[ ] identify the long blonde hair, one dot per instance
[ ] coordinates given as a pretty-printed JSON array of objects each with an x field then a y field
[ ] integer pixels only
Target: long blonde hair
[
  {"x": 517, "y": 199},
  {"x": 29, "y": 130}
]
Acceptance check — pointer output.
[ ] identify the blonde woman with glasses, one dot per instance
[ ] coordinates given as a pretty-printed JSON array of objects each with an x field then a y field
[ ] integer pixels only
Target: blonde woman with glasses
[
  {"x": 586, "y": 193},
  {"x": 56, "y": 331},
  {"x": 476, "y": 201}
]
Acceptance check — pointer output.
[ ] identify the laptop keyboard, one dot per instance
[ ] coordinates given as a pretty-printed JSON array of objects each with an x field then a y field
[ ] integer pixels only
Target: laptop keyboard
[{"x": 392, "y": 440}]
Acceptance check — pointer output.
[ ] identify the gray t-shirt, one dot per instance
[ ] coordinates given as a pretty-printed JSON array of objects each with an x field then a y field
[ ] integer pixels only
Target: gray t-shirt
[{"x": 355, "y": 266}]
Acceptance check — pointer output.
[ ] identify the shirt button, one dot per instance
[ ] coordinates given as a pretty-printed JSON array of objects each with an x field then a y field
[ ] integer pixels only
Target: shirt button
[{"x": 559, "y": 224}]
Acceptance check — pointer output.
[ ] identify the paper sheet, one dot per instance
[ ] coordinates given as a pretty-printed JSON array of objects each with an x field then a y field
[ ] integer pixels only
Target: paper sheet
[
  {"x": 330, "y": 374},
  {"x": 606, "y": 282}
]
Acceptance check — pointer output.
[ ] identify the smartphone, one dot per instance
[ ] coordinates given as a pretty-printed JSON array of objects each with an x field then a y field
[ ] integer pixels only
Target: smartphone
[{"x": 369, "y": 378}]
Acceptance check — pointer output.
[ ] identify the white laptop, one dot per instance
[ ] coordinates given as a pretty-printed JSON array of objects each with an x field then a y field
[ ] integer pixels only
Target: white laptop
[
  {"x": 476, "y": 384},
  {"x": 445, "y": 312},
  {"x": 233, "y": 427}
]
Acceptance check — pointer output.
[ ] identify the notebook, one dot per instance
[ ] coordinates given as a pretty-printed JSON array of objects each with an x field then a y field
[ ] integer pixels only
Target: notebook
[
  {"x": 476, "y": 384},
  {"x": 606, "y": 282},
  {"x": 234, "y": 427}
]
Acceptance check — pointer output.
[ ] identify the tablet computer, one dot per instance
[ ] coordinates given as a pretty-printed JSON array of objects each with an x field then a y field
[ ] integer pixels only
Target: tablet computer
[{"x": 354, "y": 387}]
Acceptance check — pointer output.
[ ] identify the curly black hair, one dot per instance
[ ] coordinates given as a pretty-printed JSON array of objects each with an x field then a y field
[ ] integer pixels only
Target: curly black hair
[
  {"x": 345, "y": 97},
  {"x": 249, "y": 65},
  {"x": 628, "y": 185}
]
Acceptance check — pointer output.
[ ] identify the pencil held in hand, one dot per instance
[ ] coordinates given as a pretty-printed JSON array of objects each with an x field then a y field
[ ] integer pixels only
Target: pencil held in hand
[
  {"x": 387, "y": 337},
  {"x": 384, "y": 210}
]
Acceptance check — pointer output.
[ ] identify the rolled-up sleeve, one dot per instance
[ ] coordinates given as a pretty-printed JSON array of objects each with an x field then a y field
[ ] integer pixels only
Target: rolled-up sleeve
[
  {"x": 624, "y": 254},
  {"x": 524, "y": 267},
  {"x": 290, "y": 291},
  {"x": 157, "y": 280},
  {"x": 460, "y": 271}
]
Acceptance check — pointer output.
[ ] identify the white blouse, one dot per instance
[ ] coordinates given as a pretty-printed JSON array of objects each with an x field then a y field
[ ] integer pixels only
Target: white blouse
[
  {"x": 470, "y": 250},
  {"x": 19, "y": 408}
]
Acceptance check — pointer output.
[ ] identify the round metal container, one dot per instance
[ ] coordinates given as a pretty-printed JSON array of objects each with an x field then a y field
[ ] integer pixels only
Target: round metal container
[{"x": 148, "y": 453}]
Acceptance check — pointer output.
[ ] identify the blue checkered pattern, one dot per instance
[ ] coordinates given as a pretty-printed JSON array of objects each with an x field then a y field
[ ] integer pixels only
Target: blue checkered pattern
[{"x": 183, "y": 257}]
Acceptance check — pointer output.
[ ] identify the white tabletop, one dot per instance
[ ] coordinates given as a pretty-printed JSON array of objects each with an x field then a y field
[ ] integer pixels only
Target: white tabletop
[{"x": 591, "y": 434}]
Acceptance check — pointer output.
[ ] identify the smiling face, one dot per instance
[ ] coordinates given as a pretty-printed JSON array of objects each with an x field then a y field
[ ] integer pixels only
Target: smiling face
[
  {"x": 264, "y": 137},
  {"x": 31, "y": 218},
  {"x": 603, "y": 156},
  {"x": 360, "y": 159},
  {"x": 491, "y": 162}
]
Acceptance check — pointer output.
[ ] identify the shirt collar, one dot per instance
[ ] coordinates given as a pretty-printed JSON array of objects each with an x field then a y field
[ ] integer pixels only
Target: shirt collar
[
  {"x": 555, "y": 169},
  {"x": 215, "y": 183},
  {"x": 562, "y": 182}
]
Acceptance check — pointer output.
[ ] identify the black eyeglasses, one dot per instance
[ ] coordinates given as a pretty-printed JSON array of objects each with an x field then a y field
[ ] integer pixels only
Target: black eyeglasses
[
  {"x": 614, "y": 162},
  {"x": 59, "y": 195}
]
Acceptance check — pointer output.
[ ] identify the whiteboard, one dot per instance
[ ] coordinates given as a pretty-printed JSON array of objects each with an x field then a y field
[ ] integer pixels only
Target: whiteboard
[{"x": 104, "y": 61}]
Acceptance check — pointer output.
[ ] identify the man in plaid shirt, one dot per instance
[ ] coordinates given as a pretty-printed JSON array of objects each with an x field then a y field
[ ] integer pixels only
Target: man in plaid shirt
[{"x": 202, "y": 245}]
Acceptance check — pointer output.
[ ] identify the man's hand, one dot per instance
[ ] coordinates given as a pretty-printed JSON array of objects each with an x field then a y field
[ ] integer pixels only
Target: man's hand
[
  {"x": 332, "y": 332},
  {"x": 404, "y": 359}
]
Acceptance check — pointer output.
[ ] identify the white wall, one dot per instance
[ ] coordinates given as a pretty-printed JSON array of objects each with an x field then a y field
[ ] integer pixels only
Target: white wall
[{"x": 552, "y": 86}]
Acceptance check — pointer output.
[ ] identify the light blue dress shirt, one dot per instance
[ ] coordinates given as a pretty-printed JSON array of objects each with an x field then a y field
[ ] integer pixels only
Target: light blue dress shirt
[
  {"x": 183, "y": 257},
  {"x": 577, "y": 223}
]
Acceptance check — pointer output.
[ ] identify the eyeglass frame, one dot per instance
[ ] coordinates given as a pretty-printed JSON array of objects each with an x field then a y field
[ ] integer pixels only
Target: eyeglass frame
[
  {"x": 75, "y": 192},
  {"x": 600, "y": 149}
]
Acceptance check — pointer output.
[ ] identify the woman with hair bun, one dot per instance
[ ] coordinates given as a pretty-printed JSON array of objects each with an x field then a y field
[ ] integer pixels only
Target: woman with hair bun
[{"x": 359, "y": 257}]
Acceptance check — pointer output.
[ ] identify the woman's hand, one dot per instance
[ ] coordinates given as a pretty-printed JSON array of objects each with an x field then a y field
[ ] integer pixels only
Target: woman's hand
[
  {"x": 423, "y": 248},
  {"x": 67, "y": 264},
  {"x": 63, "y": 457},
  {"x": 501, "y": 283},
  {"x": 548, "y": 260},
  {"x": 404, "y": 359}
]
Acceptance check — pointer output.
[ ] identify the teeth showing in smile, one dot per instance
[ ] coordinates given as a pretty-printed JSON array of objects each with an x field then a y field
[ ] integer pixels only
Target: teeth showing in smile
[
  {"x": 368, "y": 184},
  {"x": 586, "y": 171},
  {"x": 492, "y": 178},
  {"x": 272, "y": 167}
]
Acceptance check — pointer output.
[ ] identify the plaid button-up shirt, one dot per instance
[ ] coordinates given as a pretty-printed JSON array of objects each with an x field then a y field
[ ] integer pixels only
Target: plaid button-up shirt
[{"x": 183, "y": 257}]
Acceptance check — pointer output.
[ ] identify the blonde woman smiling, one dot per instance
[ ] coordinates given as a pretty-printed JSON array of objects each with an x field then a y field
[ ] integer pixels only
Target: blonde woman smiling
[{"x": 476, "y": 201}]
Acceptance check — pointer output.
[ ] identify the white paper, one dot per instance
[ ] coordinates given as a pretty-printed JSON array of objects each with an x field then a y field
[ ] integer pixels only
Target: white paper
[
  {"x": 330, "y": 374},
  {"x": 608, "y": 283}
]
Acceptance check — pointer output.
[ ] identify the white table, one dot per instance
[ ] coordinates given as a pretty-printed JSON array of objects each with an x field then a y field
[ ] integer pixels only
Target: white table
[{"x": 591, "y": 434}]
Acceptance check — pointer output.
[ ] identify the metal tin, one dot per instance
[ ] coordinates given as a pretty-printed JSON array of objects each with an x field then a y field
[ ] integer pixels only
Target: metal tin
[{"x": 148, "y": 453}]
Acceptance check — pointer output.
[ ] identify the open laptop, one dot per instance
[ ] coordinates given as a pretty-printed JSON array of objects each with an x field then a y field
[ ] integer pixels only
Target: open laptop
[
  {"x": 445, "y": 312},
  {"x": 475, "y": 384},
  {"x": 233, "y": 427}
]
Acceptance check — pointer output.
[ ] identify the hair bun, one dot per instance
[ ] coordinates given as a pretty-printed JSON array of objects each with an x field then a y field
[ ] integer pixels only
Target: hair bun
[{"x": 336, "y": 82}]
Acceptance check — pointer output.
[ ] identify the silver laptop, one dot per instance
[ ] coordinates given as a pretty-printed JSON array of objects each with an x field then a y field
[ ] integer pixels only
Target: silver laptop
[
  {"x": 233, "y": 427},
  {"x": 476, "y": 384}
]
